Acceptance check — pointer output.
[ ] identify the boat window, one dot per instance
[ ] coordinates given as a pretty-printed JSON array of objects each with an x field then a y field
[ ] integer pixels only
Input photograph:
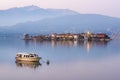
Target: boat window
[{"x": 27, "y": 56}]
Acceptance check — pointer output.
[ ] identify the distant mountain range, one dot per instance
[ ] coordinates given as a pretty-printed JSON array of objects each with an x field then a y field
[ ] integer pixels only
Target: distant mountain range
[
  {"x": 32, "y": 19},
  {"x": 30, "y": 13}
]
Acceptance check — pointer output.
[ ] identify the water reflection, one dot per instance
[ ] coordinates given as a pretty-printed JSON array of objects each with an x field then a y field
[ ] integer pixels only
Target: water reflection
[
  {"x": 32, "y": 65},
  {"x": 53, "y": 43}
]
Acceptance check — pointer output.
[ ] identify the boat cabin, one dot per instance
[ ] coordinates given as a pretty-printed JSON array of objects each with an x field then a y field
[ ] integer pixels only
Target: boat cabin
[{"x": 23, "y": 55}]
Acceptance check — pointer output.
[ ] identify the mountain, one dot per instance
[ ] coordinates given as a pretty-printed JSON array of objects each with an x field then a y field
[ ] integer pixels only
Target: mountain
[
  {"x": 69, "y": 23},
  {"x": 33, "y": 19},
  {"x": 30, "y": 13}
]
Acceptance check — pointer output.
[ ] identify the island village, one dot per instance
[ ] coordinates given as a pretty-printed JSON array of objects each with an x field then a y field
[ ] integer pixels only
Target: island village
[{"x": 69, "y": 36}]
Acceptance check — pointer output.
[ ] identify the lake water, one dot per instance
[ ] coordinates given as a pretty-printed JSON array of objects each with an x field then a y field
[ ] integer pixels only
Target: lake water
[{"x": 68, "y": 60}]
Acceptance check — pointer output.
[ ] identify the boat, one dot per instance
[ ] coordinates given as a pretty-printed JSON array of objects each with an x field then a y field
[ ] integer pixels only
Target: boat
[{"x": 31, "y": 57}]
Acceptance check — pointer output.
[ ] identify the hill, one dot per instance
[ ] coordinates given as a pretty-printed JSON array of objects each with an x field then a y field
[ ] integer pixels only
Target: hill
[
  {"x": 70, "y": 23},
  {"x": 33, "y": 19},
  {"x": 30, "y": 13}
]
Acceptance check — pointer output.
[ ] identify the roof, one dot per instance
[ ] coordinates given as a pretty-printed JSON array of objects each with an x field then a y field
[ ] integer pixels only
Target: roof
[{"x": 24, "y": 53}]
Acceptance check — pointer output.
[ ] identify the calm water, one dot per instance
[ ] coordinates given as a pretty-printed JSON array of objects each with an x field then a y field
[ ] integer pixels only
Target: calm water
[{"x": 68, "y": 60}]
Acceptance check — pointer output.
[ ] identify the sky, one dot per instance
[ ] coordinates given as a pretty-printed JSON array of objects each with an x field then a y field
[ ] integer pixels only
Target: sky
[{"x": 104, "y": 7}]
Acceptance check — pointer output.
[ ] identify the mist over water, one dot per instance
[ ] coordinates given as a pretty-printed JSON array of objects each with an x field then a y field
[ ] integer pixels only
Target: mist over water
[{"x": 69, "y": 60}]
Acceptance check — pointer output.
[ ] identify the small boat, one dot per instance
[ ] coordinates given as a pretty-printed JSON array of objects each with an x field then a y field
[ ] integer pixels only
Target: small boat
[{"x": 32, "y": 57}]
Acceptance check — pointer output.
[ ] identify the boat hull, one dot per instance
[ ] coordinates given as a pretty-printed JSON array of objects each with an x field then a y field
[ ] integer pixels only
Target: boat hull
[{"x": 31, "y": 59}]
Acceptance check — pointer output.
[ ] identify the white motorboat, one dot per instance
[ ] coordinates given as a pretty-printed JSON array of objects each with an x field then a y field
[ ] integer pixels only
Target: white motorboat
[{"x": 27, "y": 57}]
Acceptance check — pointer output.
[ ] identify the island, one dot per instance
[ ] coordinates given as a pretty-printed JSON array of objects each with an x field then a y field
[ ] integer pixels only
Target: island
[{"x": 69, "y": 36}]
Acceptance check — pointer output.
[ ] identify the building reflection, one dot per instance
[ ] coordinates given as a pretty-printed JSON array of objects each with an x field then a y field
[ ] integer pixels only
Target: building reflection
[
  {"x": 88, "y": 45},
  {"x": 83, "y": 43},
  {"x": 32, "y": 65}
]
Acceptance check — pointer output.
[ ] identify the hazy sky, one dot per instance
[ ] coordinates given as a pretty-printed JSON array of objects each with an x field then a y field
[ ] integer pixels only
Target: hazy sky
[{"x": 105, "y": 7}]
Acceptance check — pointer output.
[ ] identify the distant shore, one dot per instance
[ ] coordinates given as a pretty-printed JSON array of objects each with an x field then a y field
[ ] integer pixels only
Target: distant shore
[{"x": 69, "y": 36}]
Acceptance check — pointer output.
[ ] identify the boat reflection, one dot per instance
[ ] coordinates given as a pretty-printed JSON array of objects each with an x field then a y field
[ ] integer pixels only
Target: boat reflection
[{"x": 28, "y": 64}]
